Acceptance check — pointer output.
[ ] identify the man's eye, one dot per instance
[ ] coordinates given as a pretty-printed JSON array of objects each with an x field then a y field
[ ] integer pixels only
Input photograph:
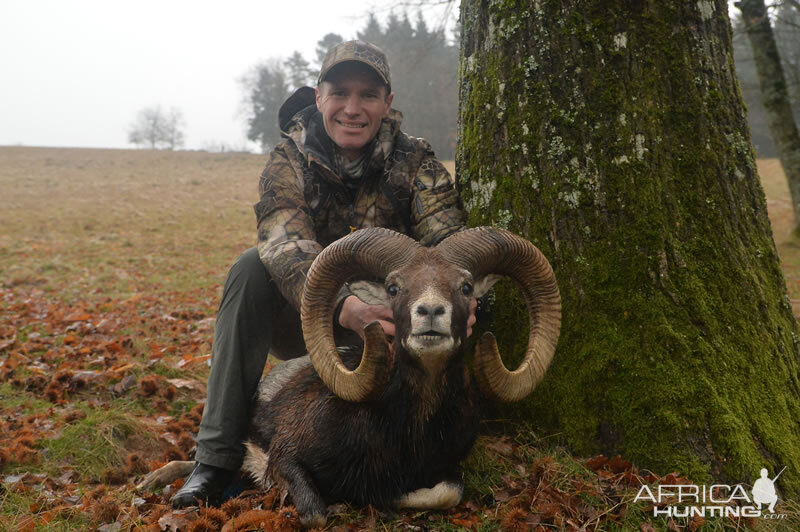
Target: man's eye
[{"x": 393, "y": 290}]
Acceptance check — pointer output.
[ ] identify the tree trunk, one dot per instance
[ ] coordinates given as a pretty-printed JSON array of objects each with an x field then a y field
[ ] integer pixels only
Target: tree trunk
[
  {"x": 613, "y": 136},
  {"x": 774, "y": 95}
]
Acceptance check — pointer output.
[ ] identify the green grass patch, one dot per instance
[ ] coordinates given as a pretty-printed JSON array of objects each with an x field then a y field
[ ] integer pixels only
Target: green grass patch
[
  {"x": 15, "y": 513},
  {"x": 483, "y": 472},
  {"x": 93, "y": 444},
  {"x": 12, "y": 398}
]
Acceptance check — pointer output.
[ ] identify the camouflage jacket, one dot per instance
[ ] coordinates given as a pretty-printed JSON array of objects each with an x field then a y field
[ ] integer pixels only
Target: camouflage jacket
[{"x": 306, "y": 203}]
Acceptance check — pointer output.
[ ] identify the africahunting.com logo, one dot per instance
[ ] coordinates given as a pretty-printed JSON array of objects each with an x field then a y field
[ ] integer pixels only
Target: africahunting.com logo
[{"x": 717, "y": 500}]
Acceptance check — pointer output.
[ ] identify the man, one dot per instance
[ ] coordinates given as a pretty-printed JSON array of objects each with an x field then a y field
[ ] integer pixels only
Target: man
[
  {"x": 343, "y": 165},
  {"x": 764, "y": 491}
]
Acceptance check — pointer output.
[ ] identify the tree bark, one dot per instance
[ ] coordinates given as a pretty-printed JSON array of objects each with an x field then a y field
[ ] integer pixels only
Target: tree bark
[
  {"x": 774, "y": 95},
  {"x": 613, "y": 136}
]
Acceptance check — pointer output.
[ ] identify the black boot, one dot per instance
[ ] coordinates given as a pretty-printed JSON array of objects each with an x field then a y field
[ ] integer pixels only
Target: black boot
[{"x": 206, "y": 484}]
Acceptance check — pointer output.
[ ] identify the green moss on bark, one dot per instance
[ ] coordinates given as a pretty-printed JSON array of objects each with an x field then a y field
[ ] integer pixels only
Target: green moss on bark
[{"x": 613, "y": 137}]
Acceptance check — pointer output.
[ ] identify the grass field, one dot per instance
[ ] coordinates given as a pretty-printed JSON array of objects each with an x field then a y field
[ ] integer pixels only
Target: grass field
[{"x": 111, "y": 266}]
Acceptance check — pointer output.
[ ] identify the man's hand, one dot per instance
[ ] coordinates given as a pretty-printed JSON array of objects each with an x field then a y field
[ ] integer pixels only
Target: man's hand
[
  {"x": 356, "y": 315},
  {"x": 473, "y": 304}
]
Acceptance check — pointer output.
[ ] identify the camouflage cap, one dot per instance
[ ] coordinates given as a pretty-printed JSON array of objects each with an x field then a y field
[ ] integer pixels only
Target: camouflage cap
[{"x": 360, "y": 51}]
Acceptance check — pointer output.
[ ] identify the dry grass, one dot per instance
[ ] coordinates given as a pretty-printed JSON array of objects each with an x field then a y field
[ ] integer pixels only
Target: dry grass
[
  {"x": 779, "y": 207},
  {"x": 81, "y": 222},
  {"x": 117, "y": 222}
]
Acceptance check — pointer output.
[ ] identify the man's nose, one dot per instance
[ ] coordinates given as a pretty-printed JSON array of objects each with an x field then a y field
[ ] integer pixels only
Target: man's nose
[{"x": 353, "y": 105}]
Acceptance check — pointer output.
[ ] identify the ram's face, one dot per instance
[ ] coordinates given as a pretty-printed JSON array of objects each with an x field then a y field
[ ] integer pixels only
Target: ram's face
[
  {"x": 429, "y": 298},
  {"x": 430, "y": 303}
]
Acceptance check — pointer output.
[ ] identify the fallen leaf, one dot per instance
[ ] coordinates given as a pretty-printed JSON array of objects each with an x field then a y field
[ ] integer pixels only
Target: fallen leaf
[
  {"x": 113, "y": 347},
  {"x": 173, "y": 522},
  {"x": 652, "y": 478},
  {"x": 76, "y": 316},
  {"x": 532, "y": 520},
  {"x": 471, "y": 506},
  {"x": 15, "y": 359},
  {"x": 466, "y": 523},
  {"x": 500, "y": 446},
  {"x": 631, "y": 478},
  {"x": 70, "y": 339},
  {"x": 122, "y": 368},
  {"x": 13, "y": 479},
  {"x": 133, "y": 299},
  {"x": 696, "y": 523},
  {"x": 502, "y": 496},
  {"x": 618, "y": 465},
  {"x": 106, "y": 326},
  {"x": 5, "y": 344},
  {"x": 26, "y": 524},
  {"x": 191, "y": 384},
  {"x": 596, "y": 462},
  {"x": 205, "y": 324},
  {"x": 67, "y": 477},
  {"x": 549, "y": 509},
  {"x": 72, "y": 500},
  {"x": 184, "y": 362},
  {"x": 122, "y": 387}
]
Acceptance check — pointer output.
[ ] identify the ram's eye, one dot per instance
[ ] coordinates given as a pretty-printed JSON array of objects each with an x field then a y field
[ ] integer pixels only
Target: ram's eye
[
  {"x": 466, "y": 289},
  {"x": 393, "y": 290}
]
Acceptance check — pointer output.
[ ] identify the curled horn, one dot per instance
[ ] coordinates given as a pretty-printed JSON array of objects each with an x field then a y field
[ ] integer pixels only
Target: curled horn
[
  {"x": 486, "y": 250},
  {"x": 370, "y": 252}
]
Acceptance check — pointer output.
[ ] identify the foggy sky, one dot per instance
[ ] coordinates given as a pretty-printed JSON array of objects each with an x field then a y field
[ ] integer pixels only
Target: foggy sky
[{"x": 76, "y": 72}]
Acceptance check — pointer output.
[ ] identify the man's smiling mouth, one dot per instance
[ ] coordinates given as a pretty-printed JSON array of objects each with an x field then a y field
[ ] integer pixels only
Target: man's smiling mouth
[{"x": 351, "y": 125}]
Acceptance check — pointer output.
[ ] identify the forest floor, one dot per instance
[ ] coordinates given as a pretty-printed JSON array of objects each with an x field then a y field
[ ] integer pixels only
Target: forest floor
[{"x": 111, "y": 267}]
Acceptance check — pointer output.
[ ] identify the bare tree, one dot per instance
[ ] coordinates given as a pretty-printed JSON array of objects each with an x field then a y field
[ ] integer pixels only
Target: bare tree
[
  {"x": 774, "y": 95},
  {"x": 174, "y": 123},
  {"x": 154, "y": 128}
]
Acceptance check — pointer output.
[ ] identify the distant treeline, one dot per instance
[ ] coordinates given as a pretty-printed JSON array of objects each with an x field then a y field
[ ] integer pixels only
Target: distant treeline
[
  {"x": 786, "y": 27},
  {"x": 424, "y": 66}
]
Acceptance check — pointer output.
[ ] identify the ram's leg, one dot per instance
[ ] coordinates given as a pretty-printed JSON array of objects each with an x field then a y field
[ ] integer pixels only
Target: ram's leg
[
  {"x": 256, "y": 464},
  {"x": 165, "y": 475},
  {"x": 289, "y": 475},
  {"x": 442, "y": 496}
]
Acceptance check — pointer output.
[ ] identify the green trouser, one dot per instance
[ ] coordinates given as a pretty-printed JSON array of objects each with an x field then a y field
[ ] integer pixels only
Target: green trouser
[{"x": 251, "y": 310}]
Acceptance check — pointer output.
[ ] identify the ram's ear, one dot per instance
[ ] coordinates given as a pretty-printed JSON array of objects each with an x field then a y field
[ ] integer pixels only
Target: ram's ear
[
  {"x": 484, "y": 284},
  {"x": 370, "y": 292}
]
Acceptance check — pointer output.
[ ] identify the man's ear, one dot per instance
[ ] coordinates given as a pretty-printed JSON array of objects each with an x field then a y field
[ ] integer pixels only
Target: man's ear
[
  {"x": 370, "y": 292},
  {"x": 484, "y": 284},
  {"x": 388, "y": 104},
  {"x": 317, "y": 98}
]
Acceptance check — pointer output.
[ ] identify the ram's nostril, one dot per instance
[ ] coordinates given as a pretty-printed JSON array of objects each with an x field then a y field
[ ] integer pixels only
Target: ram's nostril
[
  {"x": 438, "y": 311},
  {"x": 422, "y": 310}
]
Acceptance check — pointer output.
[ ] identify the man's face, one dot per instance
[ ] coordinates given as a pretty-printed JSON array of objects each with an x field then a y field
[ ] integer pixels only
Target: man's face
[{"x": 353, "y": 102}]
